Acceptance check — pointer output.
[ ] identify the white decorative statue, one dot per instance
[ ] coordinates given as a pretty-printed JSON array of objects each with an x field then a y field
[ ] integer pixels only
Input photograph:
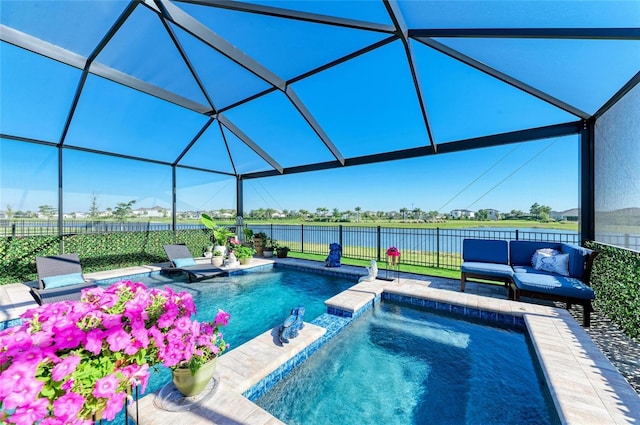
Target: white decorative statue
[
  {"x": 232, "y": 261},
  {"x": 373, "y": 273}
]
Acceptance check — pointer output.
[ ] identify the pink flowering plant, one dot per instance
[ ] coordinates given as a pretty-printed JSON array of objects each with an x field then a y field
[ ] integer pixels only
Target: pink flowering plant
[
  {"x": 73, "y": 362},
  {"x": 392, "y": 251}
]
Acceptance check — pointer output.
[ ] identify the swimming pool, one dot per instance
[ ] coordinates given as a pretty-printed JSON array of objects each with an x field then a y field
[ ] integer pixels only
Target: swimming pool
[
  {"x": 403, "y": 364},
  {"x": 257, "y": 301}
]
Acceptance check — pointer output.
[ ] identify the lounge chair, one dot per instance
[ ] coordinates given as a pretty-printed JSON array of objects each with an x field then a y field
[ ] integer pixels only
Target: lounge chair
[
  {"x": 60, "y": 278},
  {"x": 181, "y": 260}
]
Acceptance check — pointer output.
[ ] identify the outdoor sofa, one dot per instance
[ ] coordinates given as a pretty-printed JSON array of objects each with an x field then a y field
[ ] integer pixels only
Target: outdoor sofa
[
  {"x": 546, "y": 270},
  {"x": 60, "y": 278}
]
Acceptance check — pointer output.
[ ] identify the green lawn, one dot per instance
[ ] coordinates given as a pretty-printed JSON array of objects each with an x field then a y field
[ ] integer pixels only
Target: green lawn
[{"x": 429, "y": 271}]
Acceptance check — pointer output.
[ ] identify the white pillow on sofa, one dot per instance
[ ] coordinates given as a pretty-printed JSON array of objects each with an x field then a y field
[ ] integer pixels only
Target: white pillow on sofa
[{"x": 551, "y": 260}]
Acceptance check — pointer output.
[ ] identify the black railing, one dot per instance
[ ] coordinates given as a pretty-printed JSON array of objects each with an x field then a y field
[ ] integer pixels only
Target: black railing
[{"x": 418, "y": 246}]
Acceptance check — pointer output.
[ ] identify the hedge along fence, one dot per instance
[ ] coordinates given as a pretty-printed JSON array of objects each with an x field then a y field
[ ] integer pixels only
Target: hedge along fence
[
  {"x": 98, "y": 252},
  {"x": 616, "y": 279}
]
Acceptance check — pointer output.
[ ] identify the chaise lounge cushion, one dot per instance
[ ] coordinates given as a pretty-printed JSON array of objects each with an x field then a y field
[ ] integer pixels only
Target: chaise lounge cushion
[
  {"x": 63, "y": 280},
  {"x": 183, "y": 262}
]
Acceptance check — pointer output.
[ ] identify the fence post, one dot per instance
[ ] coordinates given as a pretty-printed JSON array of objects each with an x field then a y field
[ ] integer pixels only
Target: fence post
[
  {"x": 13, "y": 229},
  {"x": 340, "y": 234},
  {"x": 378, "y": 243},
  {"x": 517, "y": 234},
  {"x": 302, "y": 238},
  {"x": 437, "y": 247}
]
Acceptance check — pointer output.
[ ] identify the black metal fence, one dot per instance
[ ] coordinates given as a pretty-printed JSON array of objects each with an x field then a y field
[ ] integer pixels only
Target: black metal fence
[{"x": 418, "y": 246}]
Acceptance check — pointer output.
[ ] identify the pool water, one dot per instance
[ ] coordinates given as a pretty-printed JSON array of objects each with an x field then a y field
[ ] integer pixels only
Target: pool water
[
  {"x": 257, "y": 301},
  {"x": 399, "y": 364}
]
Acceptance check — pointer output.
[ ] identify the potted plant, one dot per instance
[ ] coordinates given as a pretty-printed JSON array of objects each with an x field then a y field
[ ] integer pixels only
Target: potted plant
[
  {"x": 270, "y": 246},
  {"x": 248, "y": 235},
  {"x": 393, "y": 256},
  {"x": 217, "y": 259},
  {"x": 192, "y": 376},
  {"x": 207, "y": 251},
  {"x": 76, "y": 362},
  {"x": 282, "y": 251},
  {"x": 259, "y": 240},
  {"x": 219, "y": 234},
  {"x": 243, "y": 253}
]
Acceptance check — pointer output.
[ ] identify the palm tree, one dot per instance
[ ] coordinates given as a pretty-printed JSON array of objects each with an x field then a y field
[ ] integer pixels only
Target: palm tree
[
  {"x": 403, "y": 211},
  {"x": 336, "y": 214},
  {"x": 358, "y": 209}
]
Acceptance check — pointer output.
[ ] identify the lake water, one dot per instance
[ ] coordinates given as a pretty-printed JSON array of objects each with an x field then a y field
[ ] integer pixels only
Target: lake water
[{"x": 416, "y": 239}]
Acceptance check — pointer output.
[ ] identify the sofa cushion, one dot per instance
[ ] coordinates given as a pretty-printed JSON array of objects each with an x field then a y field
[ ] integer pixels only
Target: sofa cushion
[
  {"x": 520, "y": 252},
  {"x": 485, "y": 251},
  {"x": 577, "y": 259},
  {"x": 488, "y": 269},
  {"x": 550, "y": 260},
  {"x": 554, "y": 284}
]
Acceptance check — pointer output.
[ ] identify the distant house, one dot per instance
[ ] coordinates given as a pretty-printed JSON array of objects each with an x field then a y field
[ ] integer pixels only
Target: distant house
[
  {"x": 568, "y": 215},
  {"x": 494, "y": 214},
  {"x": 191, "y": 214},
  {"x": 278, "y": 214},
  {"x": 462, "y": 214},
  {"x": 151, "y": 212},
  {"x": 76, "y": 215}
]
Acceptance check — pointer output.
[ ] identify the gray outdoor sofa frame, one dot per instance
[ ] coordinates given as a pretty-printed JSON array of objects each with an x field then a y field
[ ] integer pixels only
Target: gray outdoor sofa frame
[{"x": 510, "y": 263}]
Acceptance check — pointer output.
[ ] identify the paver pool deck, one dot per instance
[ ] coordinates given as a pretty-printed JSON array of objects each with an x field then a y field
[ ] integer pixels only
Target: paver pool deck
[{"x": 585, "y": 386}]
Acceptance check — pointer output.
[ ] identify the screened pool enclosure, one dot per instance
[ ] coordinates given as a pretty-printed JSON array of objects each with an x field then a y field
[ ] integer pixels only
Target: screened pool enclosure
[{"x": 180, "y": 94}]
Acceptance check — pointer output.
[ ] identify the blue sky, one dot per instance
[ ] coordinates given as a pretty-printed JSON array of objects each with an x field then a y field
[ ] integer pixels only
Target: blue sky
[{"x": 365, "y": 106}]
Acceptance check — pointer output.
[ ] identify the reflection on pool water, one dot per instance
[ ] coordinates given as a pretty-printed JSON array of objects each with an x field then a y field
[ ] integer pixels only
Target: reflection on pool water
[{"x": 399, "y": 364}]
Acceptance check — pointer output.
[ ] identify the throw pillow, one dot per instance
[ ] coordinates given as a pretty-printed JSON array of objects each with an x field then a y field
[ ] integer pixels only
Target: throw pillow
[
  {"x": 550, "y": 260},
  {"x": 541, "y": 253},
  {"x": 183, "y": 262},
  {"x": 62, "y": 280}
]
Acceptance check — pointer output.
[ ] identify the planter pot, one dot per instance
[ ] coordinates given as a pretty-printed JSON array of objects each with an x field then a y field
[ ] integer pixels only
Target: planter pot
[
  {"x": 246, "y": 260},
  {"x": 217, "y": 261},
  {"x": 282, "y": 253},
  {"x": 190, "y": 385},
  {"x": 393, "y": 260},
  {"x": 221, "y": 248},
  {"x": 257, "y": 245},
  {"x": 268, "y": 253}
]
